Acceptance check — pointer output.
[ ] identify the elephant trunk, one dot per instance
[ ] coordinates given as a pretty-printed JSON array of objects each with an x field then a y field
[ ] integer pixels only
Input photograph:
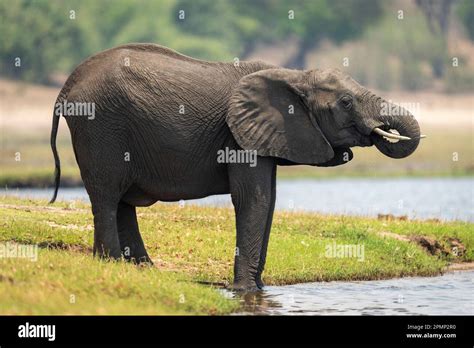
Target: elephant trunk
[{"x": 393, "y": 129}]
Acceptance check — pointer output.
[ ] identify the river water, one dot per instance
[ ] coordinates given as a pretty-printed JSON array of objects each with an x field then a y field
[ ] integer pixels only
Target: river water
[
  {"x": 450, "y": 294},
  {"x": 420, "y": 198}
]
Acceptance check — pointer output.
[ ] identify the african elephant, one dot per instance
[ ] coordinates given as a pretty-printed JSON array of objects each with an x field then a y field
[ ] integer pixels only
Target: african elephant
[{"x": 161, "y": 119}]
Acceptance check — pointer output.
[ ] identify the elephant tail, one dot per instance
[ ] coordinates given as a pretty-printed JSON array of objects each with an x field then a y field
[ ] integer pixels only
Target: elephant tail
[
  {"x": 54, "y": 132},
  {"x": 70, "y": 82}
]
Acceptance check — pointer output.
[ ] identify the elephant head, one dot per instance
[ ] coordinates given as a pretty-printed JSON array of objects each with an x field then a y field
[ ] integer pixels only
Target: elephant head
[{"x": 314, "y": 117}]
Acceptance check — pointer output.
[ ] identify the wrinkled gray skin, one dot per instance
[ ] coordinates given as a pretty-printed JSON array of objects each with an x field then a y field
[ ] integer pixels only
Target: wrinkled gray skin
[{"x": 173, "y": 155}]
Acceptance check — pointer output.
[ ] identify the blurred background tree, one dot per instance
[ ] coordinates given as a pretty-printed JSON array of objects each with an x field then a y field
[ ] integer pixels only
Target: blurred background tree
[
  {"x": 437, "y": 14},
  {"x": 246, "y": 23},
  {"x": 51, "y": 37},
  {"x": 466, "y": 13}
]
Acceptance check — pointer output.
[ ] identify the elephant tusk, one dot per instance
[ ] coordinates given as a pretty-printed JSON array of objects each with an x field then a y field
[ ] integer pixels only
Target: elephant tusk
[
  {"x": 390, "y": 135},
  {"x": 422, "y": 136}
]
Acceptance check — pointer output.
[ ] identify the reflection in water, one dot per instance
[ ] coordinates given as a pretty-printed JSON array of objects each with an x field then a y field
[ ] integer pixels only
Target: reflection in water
[
  {"x": 451, "y": 294},
  {"x": 257, "y": 303}
]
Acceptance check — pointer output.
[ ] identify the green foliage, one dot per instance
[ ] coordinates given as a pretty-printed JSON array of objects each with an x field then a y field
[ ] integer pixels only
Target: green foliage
[
  {"x": 34, "y": 31},
  {"x": 402, "y": 53},
  {"x": 49, "y": 38},
  {"x": 246, "y": 23},
  {"x": 466, "y": 13},
  {"x": 54, "y": 36},
  {"x": 337, "y": 19}
]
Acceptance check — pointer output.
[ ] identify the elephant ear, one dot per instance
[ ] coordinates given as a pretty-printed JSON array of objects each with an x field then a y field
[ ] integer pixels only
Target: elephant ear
[{"x": 268, "y": 113}]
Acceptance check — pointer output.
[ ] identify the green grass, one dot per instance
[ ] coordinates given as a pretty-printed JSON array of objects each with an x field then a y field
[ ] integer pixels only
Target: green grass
[
  {"x": 193, "y": 244},
  {"x": 73, "y": 283}
]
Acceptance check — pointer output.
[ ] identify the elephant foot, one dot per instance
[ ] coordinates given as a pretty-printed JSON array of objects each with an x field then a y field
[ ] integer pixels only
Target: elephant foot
[
  {"x": 136, "y": 254},
  {"x": 107, "y": 255},
  {"x": 259, "y": 283},
  {"x": 245, "y": 286},
  {"x": 141, "y": 261}
]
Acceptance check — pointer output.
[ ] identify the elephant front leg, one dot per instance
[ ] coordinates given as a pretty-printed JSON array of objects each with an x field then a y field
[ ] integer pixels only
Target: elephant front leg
[
  {"x": 268, "y": 227},
  {"x": 252, "y": 196}
]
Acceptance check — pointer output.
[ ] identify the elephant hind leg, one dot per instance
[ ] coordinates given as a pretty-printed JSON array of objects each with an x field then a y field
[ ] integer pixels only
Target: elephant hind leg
[
  {"x": 106, "y": 173},
  {"x": 106, "y": 241},
  {"x": 104, "y": 195},
  {"x": 131, "y": 243}
]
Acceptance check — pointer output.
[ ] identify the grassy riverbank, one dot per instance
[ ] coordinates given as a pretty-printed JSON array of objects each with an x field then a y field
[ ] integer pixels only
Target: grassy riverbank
[{"x": 195, "y": 244}]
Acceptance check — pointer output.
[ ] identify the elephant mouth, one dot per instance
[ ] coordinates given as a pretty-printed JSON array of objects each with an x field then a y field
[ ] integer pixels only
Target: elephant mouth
[{"x": 366, "y": 141}]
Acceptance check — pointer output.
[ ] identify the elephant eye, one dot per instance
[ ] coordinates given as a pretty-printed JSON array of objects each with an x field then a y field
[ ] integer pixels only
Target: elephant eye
[{"x": 346, "y": 102}]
